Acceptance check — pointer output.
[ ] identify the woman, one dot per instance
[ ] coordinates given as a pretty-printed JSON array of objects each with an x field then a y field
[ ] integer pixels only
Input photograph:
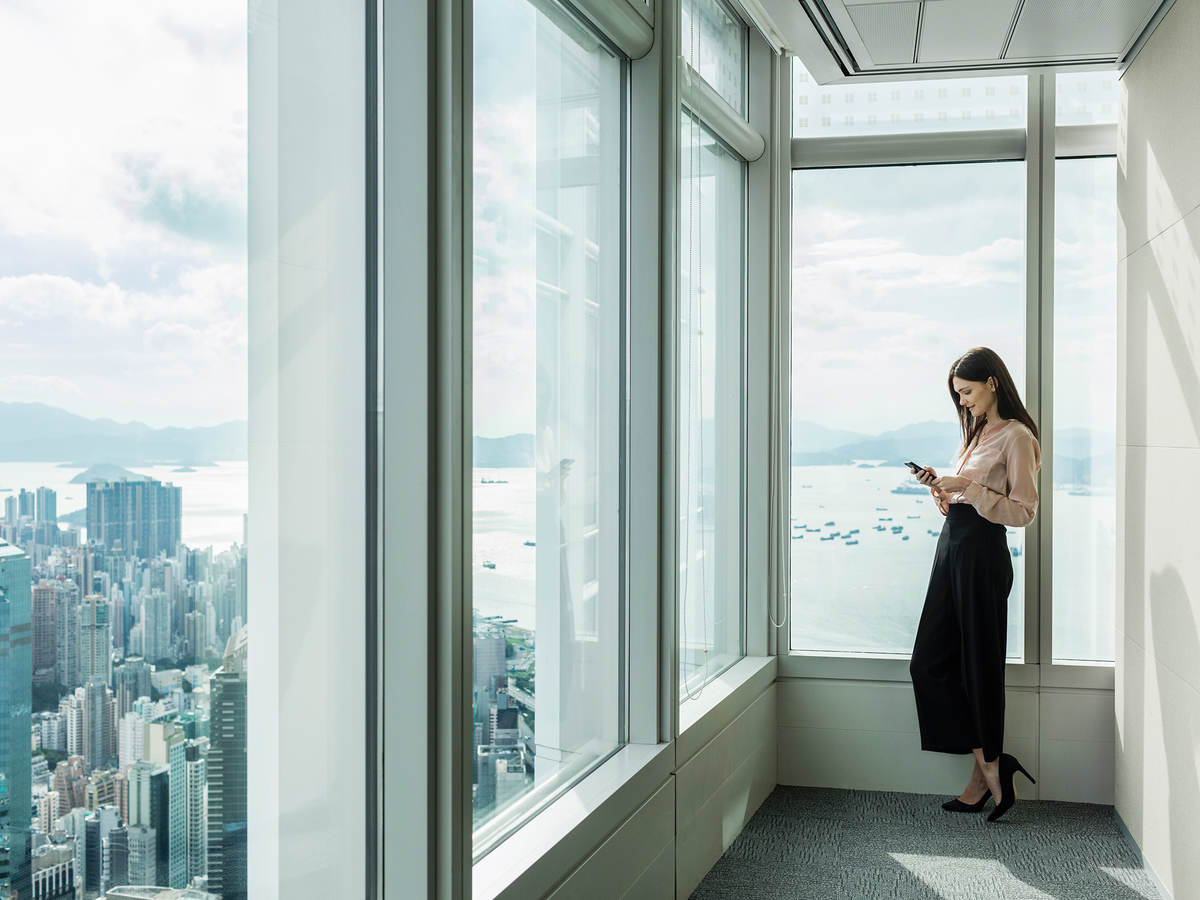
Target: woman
[{"x": 958, "y": 659}]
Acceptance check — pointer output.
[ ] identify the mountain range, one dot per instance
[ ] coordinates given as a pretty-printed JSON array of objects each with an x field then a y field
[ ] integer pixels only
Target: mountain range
[{"x": 35, "y": 432}]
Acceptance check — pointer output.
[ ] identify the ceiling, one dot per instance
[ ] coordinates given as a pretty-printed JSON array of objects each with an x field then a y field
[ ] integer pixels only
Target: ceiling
[{"x": 884, "y": 37}]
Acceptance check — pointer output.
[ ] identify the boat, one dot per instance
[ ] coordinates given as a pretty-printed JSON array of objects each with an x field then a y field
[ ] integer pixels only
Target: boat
[
  {"x": 881, "y": 509},
  {"x": 827, "y": 537},
  {"x": 488, "y": 564},
  {"x": 828, "y": 524},
  {"x": 885, "y": 518},
  {"x": 881, "y": 528},
  {"x": 531, "y": 543},
  {"x": 913, "y": 517},
  {"x": 896, "y": 529},
  {"x": 904, "y": 537},
  {"x": 848, "y": 543},
  {"x": 852, "y": 531},
  {"x": 835, "y": 534},
  {"x": 493, "y": 481},
  {"x": 797, "y": 537}
]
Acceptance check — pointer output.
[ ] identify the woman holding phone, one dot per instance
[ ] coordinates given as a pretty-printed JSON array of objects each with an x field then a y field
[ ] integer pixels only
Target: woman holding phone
[{"x": 958, "y": 658}]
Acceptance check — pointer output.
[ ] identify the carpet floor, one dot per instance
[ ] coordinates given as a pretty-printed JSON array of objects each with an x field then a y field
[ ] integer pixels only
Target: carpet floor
[{"x": 817, "y": 843}]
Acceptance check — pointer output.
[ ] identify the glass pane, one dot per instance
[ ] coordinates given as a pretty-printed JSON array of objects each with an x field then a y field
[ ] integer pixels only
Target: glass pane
[
  {"x": 905, "y": 107},
  {"x": 546, "y": 359},
  {"x": 123, "y": 290},
  {"x": 1085, "y": 408},
  {"x": 1085, "y": 98},
  {"x": 896, "y": 271},
  {"x": 709, "y": 445},
  {"x": 714, "y": 44}
]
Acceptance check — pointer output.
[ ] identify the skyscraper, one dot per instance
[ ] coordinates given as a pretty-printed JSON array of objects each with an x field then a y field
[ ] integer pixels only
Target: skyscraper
[
  {"x": 47, "y": 505},
  {"x": 45, "y": 643},
  {"x": 189, "y": 832},
  {"x": 16, "y": 670},
  {"x": 195, "y": 632},
  {"x": 132, "y": 680},
  {"x": 149, "y": 807},
  {"x": 227, "y": 774},
  {"x": 95, "y": 639},
  {"x": 25, "y": 504},
  {"x": 142, "y": 517},
  {"x": 156, "y": 625},
  {"x": 66, "y": 633},
  {"x": 98, "y": 727}
]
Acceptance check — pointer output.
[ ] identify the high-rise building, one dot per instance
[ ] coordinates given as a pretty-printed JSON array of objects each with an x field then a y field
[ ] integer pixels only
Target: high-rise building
[
  {"x": 116, "y": 858},
  {"x": 70, "y": 782},
  {"x": 45, "y": 643},
  {"x": 143, "y": 855},
  {"x": 149, "y": 807},
  {"x": 189, "y": 831},
  {"x": 141, "y": 517},
  {"x": 131, "y": 739},
  {"x": 47, "y": 505},
  {"x": 195, "y": 631},
  {"x": 156, "y": 625},
  {"x": 97, "y": 827},
  {"x": 99, "y": 733},
  {"x": 131, "y": 679},
  {"x": 227, "y": 774},
  {"x": 16, "y": 667},
  {"x": 54, "y": 873},
  {"x": 26, "y": 504},
  {"x": 66, "y": 633},
  {"x": 95, "y": 639},
  {"x": 10, "y": 510}
]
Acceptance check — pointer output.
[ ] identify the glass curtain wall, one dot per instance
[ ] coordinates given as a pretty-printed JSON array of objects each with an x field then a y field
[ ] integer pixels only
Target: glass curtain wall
[
  {"x": 546, "y": 379},
  {"x": 1085, "y": 355},
  {"x": 123, "y": 404},
  {"x": 710, "y": 438},
  {"x": 895, "y": 272}
]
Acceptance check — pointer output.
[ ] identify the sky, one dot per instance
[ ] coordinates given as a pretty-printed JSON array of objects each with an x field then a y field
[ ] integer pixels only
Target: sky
[{"x": 123, "y": 209}]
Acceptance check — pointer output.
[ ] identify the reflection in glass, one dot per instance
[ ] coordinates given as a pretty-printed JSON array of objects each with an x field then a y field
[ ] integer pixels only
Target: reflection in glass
[
  {"x": 713, "y": 41},
  {"x": 896, "y": 271},
  {"x": 709, "y": 444},
  {"x": 905, "y": 107},
  {"x": 1085, "y": 98},
  {"x": 1085, "y": 411},
  {"x": 546, "y": 379}
]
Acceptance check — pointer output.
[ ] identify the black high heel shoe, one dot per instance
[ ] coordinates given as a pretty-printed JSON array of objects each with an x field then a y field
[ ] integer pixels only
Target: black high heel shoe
[
  {"x": 1008, "y": 791},
  {"x": 957, "y": 805}
]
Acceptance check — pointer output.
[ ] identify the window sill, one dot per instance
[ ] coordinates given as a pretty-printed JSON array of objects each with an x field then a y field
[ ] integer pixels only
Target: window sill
[
  {"x": 534, "y": 858},
  {"x": 721, "y": 701},
  {"x": 886, "y": 667}
]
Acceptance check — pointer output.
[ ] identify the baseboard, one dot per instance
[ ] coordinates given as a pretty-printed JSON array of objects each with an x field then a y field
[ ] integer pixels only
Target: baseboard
[{"x": 1127, "y": 836}]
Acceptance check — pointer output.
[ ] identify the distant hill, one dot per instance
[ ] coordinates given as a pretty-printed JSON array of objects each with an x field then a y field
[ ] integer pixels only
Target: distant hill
[
  {"x": 104, "y": 472},
  {"x": 809, "y": 437},
  {"x": 512, "y": 452},
  {"x": 34, "y": 432},
  {"x": 928, "y": 443}
]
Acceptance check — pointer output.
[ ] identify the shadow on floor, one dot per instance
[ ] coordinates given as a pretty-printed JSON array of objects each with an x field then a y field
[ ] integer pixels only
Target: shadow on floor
[{"x": 817, "y": 843}]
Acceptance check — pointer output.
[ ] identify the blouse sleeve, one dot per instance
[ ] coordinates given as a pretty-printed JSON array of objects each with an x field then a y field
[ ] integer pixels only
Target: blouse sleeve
[{"x": 1018, "y": 507}]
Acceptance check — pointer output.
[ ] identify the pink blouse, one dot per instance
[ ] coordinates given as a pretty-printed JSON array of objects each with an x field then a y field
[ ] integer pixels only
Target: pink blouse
[{"x": 1003, "y": 469}]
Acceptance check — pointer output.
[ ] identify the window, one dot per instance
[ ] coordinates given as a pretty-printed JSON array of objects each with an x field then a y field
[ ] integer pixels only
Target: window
[
  {"x": 996, "y": 101},
  {"x": 1085, "y": 98},
  {"x": 709, "y": 444},
  {"x": 1085, "y": 353},
  {"x": 546, "y": 352},
  {"x": 123, "y": 295},
  {"x": 714, "y": 43},
  {"x": 895, "y": 272}
]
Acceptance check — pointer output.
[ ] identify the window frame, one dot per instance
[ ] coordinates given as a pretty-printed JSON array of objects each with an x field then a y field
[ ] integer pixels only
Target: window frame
[{"x": 1040, "y": 144}]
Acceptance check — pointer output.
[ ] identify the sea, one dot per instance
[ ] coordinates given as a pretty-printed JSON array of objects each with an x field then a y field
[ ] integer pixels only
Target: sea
[
  {"x": 862, "y": 588},
  {"x": 214, "y": 497}
]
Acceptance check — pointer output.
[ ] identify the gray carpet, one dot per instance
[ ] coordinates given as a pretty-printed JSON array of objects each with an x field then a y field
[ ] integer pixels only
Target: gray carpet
[{"x": 816, "y": 843}]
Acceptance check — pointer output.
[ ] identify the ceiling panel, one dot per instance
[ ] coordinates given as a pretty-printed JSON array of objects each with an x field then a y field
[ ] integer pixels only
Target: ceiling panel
[
  {"x": 889, "y": 30},
  {"x": 964, "y": 30},
  {"x": 1078, "y": 28}
]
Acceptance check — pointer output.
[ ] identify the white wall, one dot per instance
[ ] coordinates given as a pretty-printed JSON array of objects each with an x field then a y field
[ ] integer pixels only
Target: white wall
[{"x": 1158, "y": 577}]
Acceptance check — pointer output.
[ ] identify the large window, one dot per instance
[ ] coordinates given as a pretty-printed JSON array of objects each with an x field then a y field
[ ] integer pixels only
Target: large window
[
  {"x": 546, "y": 352},
  {"x": 124, "y": 480},
  {"x": 712, "y": 204},
  {"x": 1084, "y": 373},
  {"x": 895, "y": 272}
]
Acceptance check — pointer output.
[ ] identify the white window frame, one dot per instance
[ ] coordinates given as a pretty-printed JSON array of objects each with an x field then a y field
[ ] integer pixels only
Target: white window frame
[{"x": 1038, "y": 145}]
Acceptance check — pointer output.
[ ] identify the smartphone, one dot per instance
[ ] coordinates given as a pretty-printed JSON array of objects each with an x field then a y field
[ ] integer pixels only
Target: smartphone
[{"x": 916, "y": 470}]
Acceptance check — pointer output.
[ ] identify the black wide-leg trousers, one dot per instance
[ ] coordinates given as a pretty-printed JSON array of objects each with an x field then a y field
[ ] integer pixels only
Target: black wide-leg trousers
[{"x": 957, "y": 663}]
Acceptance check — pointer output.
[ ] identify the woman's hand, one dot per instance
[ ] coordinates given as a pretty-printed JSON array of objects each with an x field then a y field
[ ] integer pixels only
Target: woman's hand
[
  {"x": 951, "y": 484},
  {"x": 941, "y": 499},
  {"x": 926, "y": 475}
]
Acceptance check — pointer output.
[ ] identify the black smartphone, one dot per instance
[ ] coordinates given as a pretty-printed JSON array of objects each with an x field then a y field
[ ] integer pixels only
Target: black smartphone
[{"x": 916, "y": 470}]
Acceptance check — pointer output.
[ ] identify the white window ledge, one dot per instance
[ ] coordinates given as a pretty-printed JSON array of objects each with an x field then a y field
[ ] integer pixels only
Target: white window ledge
[
  {"x": 720, "y": 702},
  {"x": 535, "y": 857},
  {"x": 894, "y": 667}
]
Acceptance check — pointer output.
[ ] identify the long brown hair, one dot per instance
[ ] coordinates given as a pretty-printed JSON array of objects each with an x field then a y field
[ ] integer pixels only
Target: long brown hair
[{"x": 979, "y": 364}]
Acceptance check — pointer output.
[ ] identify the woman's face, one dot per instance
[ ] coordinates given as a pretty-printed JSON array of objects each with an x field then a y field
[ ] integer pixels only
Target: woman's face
[{"x": 977, "y": 397}]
